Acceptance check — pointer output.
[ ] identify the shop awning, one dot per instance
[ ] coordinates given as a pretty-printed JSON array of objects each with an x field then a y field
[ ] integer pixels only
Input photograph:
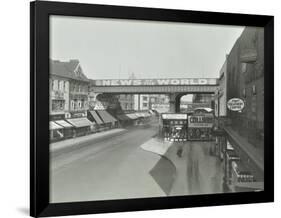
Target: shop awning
[
  {"x": 123, "y": 117},
  {"x": 106, "y": 117},
  {"x": 139, "y": 114},
  {"x": 146, "y": 114},
  {"x": 54, "y": 126},
  {"x": 231, "y": 154},
  {"x": 96, "y": 117},
  {"x": 132, "y": 116},
  {"x": 240, "y": 168},
  {"x": 80, "y": 122},
  {"x": 143, "y": 114},
  {"x": 63, "y": 123}
]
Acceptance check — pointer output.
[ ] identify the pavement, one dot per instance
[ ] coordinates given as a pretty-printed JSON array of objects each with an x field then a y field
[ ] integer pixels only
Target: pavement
[
  {"x": 115, "y": 168},
  {"x": 256, "y": 154},
  {"x": 196, "y": 171},
  {"x": 68, "y": 145},
  {"x": 132, "y": 164},
  {"x": 156, "y": 146}
]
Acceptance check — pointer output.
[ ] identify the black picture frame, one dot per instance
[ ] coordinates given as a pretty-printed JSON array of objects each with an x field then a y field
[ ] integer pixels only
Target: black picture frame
[{"x": 39, "y": 108}]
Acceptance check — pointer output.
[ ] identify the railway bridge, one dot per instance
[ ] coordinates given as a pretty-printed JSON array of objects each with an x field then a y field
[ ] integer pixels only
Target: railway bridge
[{"x": 174, "y": 87}]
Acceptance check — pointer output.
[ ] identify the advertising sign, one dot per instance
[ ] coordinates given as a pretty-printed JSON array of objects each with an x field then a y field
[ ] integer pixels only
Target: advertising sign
[
  {"x": 200, "y": 121},
  {"x": 174, "y": 116},
  {"x": 235, "y": 104},
  {"x": 154, "y": 82}
]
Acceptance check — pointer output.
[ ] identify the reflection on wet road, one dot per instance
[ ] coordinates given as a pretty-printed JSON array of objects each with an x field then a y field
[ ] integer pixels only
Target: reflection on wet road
[
  {"x": 119, "y": 168},
  {"x": 197, "y": 171}
]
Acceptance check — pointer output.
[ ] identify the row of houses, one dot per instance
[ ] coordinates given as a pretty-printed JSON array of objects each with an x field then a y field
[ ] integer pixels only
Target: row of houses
[
  {"x": 95, "y": 121},
  {"x": 71, "y": 113}
]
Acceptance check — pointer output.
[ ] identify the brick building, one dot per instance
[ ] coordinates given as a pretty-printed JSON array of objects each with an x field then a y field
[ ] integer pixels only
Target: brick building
[
  {"x": 245, "y": 72},
  {"x": 244, "y": 78}
]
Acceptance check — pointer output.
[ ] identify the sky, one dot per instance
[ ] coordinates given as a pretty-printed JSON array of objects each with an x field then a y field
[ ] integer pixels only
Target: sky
[{"x": 116, "y": 49}]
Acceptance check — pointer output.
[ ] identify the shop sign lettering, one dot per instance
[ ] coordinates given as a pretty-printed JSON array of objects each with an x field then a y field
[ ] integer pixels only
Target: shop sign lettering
[{"x": 155, "y": 82}]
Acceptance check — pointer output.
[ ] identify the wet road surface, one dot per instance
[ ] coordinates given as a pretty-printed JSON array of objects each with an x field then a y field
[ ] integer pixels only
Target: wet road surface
[
  {"x": 198, "y": 172},
  {"x": 121, "y": 169}
]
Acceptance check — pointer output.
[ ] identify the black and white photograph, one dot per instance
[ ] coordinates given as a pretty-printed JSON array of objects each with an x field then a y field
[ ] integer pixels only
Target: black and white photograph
[{"x": 142, "y": 109}]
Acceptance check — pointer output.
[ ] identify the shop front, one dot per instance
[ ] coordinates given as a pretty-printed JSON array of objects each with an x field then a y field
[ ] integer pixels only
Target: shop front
[
  {"x": 134, "y": 117},
  {"x": 99, "y": 124},
  {"x": 82, "y": 125},
  {"x": 231, "y": 156},
  {"x": 109, "y": 121},
  {"x": 173, "y": 127},
  {"x": 243, "y": 180},
  {"x": 56, "y": 131},
  {"x": 68, "y": 129},
  {"x": 125, "y": 120},
  {"x": 200, "y": 127}
]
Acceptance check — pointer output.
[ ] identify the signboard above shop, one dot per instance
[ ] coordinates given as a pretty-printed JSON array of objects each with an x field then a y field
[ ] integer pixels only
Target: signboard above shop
[
  {"x": 174, "y": 116},
  {"x": 235, "y": 104},
  {"x": 155, "y": 82},
  {"x": 196, "y": 121}
]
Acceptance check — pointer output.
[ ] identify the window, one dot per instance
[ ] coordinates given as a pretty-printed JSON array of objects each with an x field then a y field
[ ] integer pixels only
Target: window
[
  {"x": 144, "y": 98},
  {"x": 144, "y": 104},
  {"x": 57, "y": 105},
  {"x": 53, "y": 84},
  {"x": 243, "y": 67},
  {"x": 72, "y": 105}
]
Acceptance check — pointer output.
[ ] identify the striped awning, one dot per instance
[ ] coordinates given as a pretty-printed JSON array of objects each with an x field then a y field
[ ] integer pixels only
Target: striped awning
[
  {"x": 143, "y": 114},
  {"x": 80, "y": 122},
  {"x": 123, "y": 117},
  {"x": 53, "y": 126},
  {"x": 132, "y": 116},
  {"x": 106, "y": 117},
  {"x": 96, "y": 117},
  {"x": 63, "y": 123}
]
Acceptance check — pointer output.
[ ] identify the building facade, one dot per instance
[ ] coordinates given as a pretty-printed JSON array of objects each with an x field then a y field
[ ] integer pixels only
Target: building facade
[
  {"x": 245, "y": 72},
  {"x": 221, "y": 93},
  {"x": 204, "y": 99},
  {"x": 126, "y": 102},
  {"x": 242, "y": 145},
  {"x": 141, "y": 102},
  {"x": 69, "y": 88}
]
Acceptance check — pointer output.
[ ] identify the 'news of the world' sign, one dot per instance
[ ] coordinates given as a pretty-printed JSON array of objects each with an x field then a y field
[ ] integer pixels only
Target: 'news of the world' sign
[{"x": 154, "y": 82}]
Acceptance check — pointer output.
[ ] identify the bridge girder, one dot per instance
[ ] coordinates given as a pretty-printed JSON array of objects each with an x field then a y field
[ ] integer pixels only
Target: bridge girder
[{"x": 154, "y": 89}]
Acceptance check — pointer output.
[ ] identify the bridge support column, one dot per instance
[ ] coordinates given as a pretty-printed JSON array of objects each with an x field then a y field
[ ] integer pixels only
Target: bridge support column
[{"x": 174, "y": 103}]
